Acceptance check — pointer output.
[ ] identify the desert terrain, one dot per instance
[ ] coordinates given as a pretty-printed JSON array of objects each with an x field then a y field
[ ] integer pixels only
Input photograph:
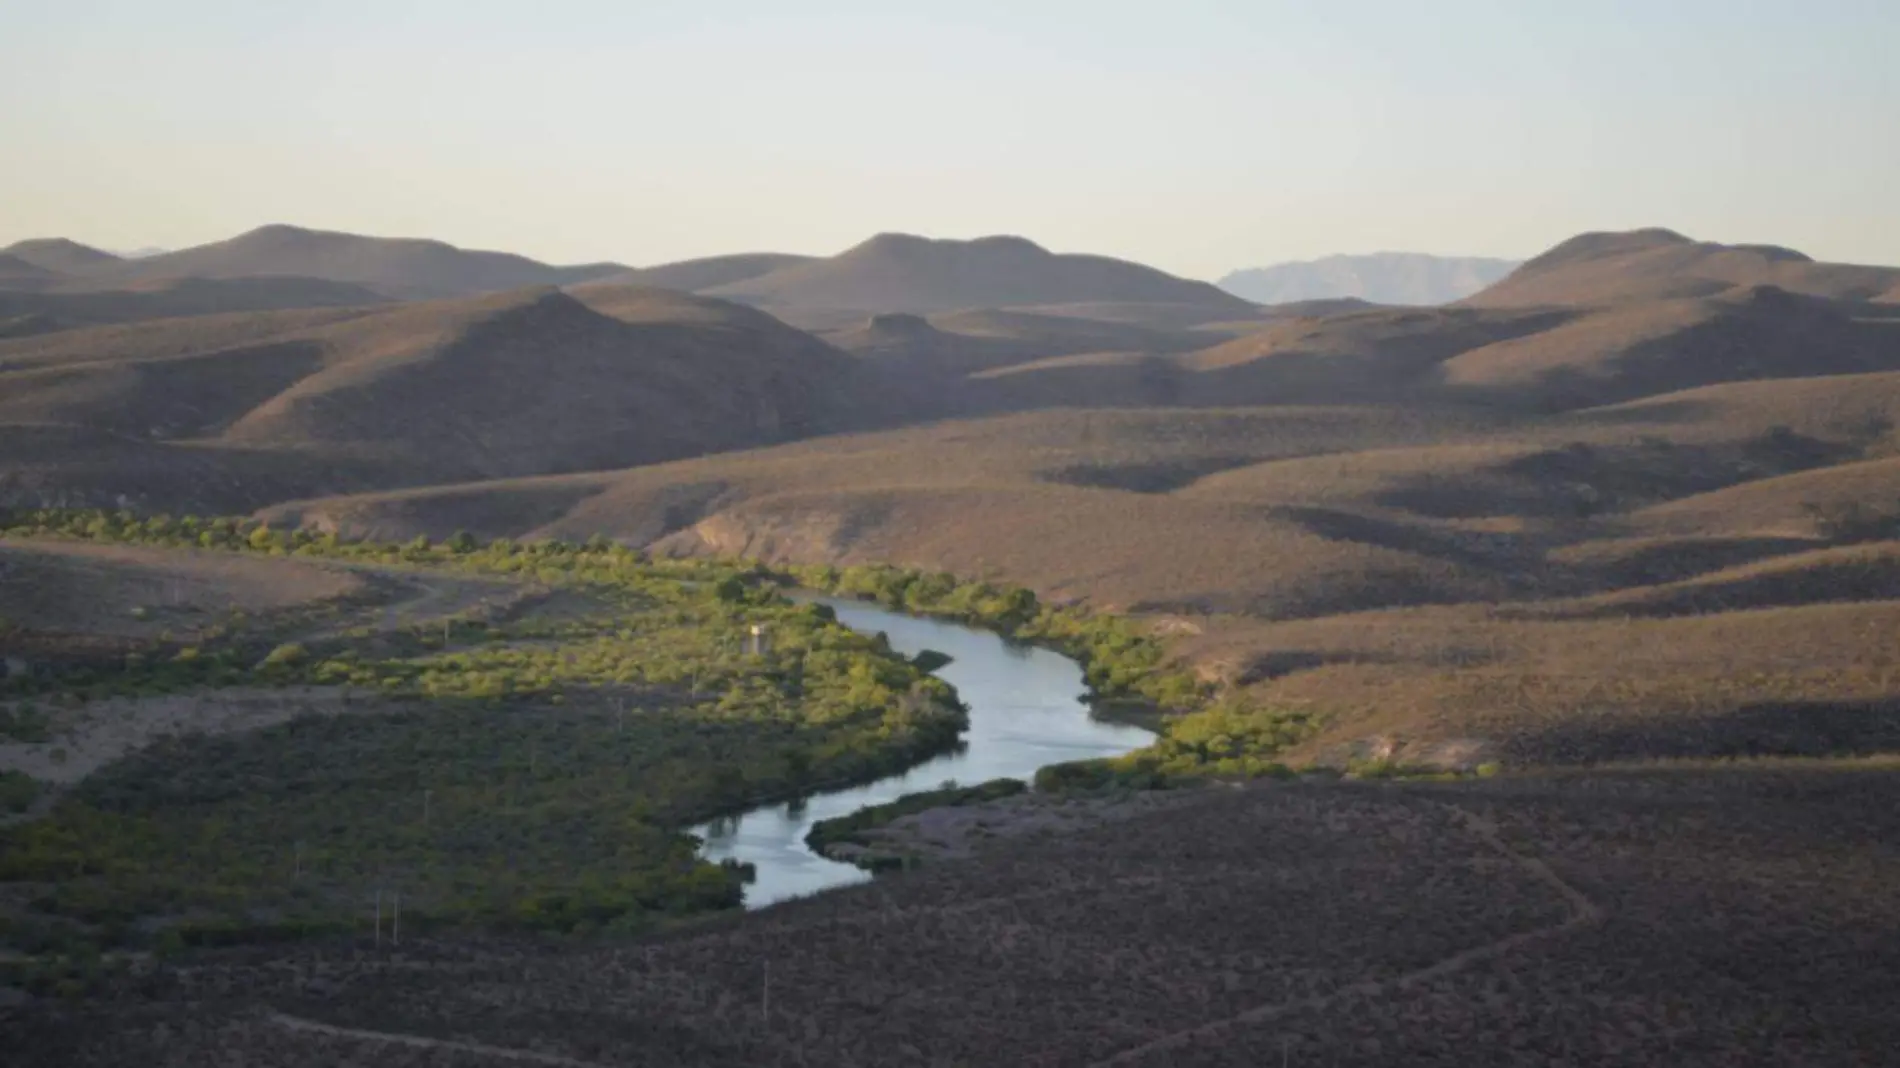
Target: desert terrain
[{"x": 1524, "y": 667}]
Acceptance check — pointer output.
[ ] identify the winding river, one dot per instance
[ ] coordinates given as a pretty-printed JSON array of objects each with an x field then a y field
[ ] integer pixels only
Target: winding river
[{"x": 1026, "y": 710}]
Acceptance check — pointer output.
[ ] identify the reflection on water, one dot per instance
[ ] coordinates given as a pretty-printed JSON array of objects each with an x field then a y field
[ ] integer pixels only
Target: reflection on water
[{"x": 1026, "y": 710}]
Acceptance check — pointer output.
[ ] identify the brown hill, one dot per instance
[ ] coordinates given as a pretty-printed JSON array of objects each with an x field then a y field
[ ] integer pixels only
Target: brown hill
[
  {"x": 40, "y": 312},
  {"x": 1431, "y": 526},
  {"x": 904, "y": 273},
  {"x": 60, "y": 256},
  {"x": 521, "y": 383},
  {"x": 1656, "y": 264},
  {"x": 18, "y": 274},
  {"x": 1641, "y": 349},
  {"x": 692, "y": 276},
  {"x": 402, "y": 268},
  {"x": 1448, "y": 576}
]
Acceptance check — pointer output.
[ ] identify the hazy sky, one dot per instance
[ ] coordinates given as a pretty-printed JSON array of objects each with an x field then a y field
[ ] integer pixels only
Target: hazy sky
[{"x": 1196, "y": 136}]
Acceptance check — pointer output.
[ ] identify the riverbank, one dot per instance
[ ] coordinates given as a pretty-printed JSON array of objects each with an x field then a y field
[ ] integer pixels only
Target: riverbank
[{"x": 1025, "y": 711}]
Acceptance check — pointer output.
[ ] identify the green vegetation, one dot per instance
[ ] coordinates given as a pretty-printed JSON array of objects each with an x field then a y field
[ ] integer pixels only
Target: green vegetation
[
  {"x": 529, "y": 774},
  {"x": 850, "y": 829},
  {"x": 24, "y": 722},
  {"x": 1204, "y": 732},
  {"x": 533, "y": 771},
  {"x": 17, "y": 791}
]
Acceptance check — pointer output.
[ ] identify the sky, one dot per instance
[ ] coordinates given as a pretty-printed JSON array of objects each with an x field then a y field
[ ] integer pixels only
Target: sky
[{"x": 1199, "y": 137}]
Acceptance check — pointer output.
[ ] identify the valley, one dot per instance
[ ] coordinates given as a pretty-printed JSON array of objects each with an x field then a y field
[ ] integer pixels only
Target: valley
[{"x": 1457, "y": 633}]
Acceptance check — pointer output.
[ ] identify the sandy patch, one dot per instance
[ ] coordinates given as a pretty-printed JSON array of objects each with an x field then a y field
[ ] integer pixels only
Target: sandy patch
[
  {"x": 134, "y": 591},
  {"x": 82, "y": 740}
]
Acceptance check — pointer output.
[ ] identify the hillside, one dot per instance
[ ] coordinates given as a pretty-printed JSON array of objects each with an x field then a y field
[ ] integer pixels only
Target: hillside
[
  {"x": 1339, "y": 507},
  {"x": 401, "y": 268},
  {"x": 693, "y": 276},
  {"x": 524, "y": 383},
  {"x": 1349, "y": 559},
  {"x": 60, "y": 256},
  {"x": 41, "y": 312},
  {"x": 1656, "y": 264},
  {"x": 1382, "y": 278},
  {"x": 905, "y": 273},
  {"x": 18, "y": 274},
  {"x": 1639, "y": 917}
]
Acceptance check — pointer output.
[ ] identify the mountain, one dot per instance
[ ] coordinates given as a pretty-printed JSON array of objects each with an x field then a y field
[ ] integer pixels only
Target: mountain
[
  {"x": 1658, "y": 264},
  {"x": 693, "y": 276},
  {"x": 141, "y": 253},
  {"x": 399, "y": 268},
  {"x": 527, "y": 382},
  {"x": 1381, "y": 278},
  {"x": 60, "y": 256},
  {"x": 916, "y": 275}
]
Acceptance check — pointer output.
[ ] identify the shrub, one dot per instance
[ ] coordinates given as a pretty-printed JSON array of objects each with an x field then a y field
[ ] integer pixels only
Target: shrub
[{"x": 287, "y": 655}]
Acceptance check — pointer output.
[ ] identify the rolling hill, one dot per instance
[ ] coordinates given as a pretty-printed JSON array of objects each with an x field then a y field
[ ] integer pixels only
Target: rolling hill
[
  {"x": 528, "y": 382},
  {"x": 60, "y": 256},
  {"x": 1380, "y": 277},
  {"x": 905, "y": 273},
  {"x": 400, "y": 268},
  {"x": 1347, "y": 508},
  {"x": 25, "y": 313},
  {"x": 1657, "y": 264},
  {"x": 694, "y": 276}
]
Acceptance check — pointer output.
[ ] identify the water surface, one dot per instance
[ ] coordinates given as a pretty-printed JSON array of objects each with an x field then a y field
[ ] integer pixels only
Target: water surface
[{"x": 1026, "y": 710}]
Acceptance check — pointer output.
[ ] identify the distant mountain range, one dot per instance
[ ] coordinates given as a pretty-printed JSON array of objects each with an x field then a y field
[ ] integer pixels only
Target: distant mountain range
[{"x": 1380, "y": 277}]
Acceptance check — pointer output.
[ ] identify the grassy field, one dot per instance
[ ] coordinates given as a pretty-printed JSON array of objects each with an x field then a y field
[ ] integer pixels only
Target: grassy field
[{"x": 1667, "y": 917}]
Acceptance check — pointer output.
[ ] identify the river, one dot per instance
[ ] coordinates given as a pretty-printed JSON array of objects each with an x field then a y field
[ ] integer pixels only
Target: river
[{"x": 1026, "y": 710}]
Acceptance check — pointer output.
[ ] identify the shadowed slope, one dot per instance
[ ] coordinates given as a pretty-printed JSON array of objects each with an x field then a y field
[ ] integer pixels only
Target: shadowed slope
[
  {"x": 168, "y": 298},
  {"x": 60, "y": 256},
  {"x": 18, "y": 274},
  {"x": 521, "y": 383}
]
